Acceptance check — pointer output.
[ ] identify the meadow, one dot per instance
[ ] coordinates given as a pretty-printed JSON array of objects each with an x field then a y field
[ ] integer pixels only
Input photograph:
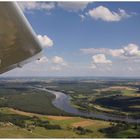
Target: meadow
[
  {"x": 35, "y": 126},
  {"x": 115, "y": 97},
  {"x": 30, "y": 100},
  {"x": 26, "y": 112}
]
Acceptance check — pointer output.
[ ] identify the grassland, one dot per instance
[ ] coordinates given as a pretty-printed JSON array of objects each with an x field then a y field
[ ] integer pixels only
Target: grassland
[
  {"x": 29, "y": 100},
  {"x": 119, "y": 100},
  {"x": 69, "y": 127},
  {"x": 28, "y": 113},
  {"x": 67, "y": 124}
]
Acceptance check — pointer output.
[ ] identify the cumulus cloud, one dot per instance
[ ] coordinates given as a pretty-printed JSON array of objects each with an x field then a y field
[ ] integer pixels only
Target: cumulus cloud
[
  {"x": 69, "y": 6},
  {"x": 129, "y": 51},
  {"x": 45, "y": 41},
  {"x": 103, "y": 13},
  {"x": 57, "y": 60},
  {"x": 58, "y": 63},
  {"x": 100, "y": 59},
  {"x": 94, "y": 50},
  {"x": 129, "y": 55},
  {"x": 55, "y": 63},
  {"x": 28, "y": 6},
  {"x": 73, "y": 6},
  {"x": 116, "y": 52},
  {"x": 101, "y": 63}
]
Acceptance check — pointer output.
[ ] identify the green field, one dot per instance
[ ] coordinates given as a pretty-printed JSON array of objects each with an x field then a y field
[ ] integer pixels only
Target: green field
[
  {"x": 68, "y": 127},
  {"x": 10, "y": 130},
  {"x": 27, "y": 112},
  {"x": 30, "y": 100}
]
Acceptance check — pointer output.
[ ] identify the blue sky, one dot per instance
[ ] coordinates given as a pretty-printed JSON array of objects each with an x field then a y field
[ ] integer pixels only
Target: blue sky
[{"x": 84, "y": 38}]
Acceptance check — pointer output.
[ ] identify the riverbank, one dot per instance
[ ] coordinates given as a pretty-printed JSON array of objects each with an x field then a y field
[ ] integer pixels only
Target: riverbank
[{"x": 62, "y": 102}]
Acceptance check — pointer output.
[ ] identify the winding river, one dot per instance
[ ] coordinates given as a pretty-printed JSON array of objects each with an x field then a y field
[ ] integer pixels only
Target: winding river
[{"x": 62, "y": 101}]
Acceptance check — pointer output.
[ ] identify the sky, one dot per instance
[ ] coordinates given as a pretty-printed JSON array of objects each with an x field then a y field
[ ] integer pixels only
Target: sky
[{"x": 84, "y": 39}]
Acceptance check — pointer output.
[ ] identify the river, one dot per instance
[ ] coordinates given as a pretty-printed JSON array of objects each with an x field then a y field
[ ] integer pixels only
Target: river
[{"x": 62, "y": 101}]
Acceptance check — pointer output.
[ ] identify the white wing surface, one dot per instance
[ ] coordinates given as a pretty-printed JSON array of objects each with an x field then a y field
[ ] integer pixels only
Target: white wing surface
[{"x": 18, "y": 41}]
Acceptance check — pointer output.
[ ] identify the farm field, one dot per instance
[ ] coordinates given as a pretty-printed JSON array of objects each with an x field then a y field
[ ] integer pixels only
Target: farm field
[
  {"x": 115, "y": 97},
  {"x": 68, "y": 126},
  {"x": 27, "y": 112}
]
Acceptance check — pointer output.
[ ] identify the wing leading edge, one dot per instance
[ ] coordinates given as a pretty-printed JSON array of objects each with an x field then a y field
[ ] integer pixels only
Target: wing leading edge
[{"x": 18, "y": 42}]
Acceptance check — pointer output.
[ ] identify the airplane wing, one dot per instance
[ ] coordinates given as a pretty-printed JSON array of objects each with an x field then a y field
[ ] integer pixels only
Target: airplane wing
[{"x": 18, "y": 42}]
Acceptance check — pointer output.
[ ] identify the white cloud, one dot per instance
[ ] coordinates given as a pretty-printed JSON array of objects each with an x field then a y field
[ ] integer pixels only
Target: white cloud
[
  {"x": 46, "y": 64},
  {"x": 55, "y": 63},
  {"x": 100, "y": 59},
  {"x": 58, "y": 60},
  {"x": 95, "y": 50},
  {"x": 73, "y": 6},
  {"x": 123, "y": 61},
  {"x": 69, "y": 6},
  {"x": 127, "y": 57},
  {"x": 116, "y": 52},
  {"x": 58, "y": 63},
  {"x": 36, "y": 6},
  {"x": 43, "y": 59},
  {"x": 103, "y": 13},
  {"x": 45, "y": 41},
  {"x": 129, "y": 51}
]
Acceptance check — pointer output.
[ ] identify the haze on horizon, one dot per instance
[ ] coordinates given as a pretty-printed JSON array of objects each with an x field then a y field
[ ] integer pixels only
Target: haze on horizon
[{"x": 84, "y": 39}]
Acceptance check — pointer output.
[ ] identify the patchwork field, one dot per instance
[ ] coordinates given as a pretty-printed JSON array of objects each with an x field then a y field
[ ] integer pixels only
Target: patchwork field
[
  {"x": 120, "y": 103},
  {"x": 26, "y": 112},
  {"x": 69, "y": 127},
  {"x": 9, "y": 130}
]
